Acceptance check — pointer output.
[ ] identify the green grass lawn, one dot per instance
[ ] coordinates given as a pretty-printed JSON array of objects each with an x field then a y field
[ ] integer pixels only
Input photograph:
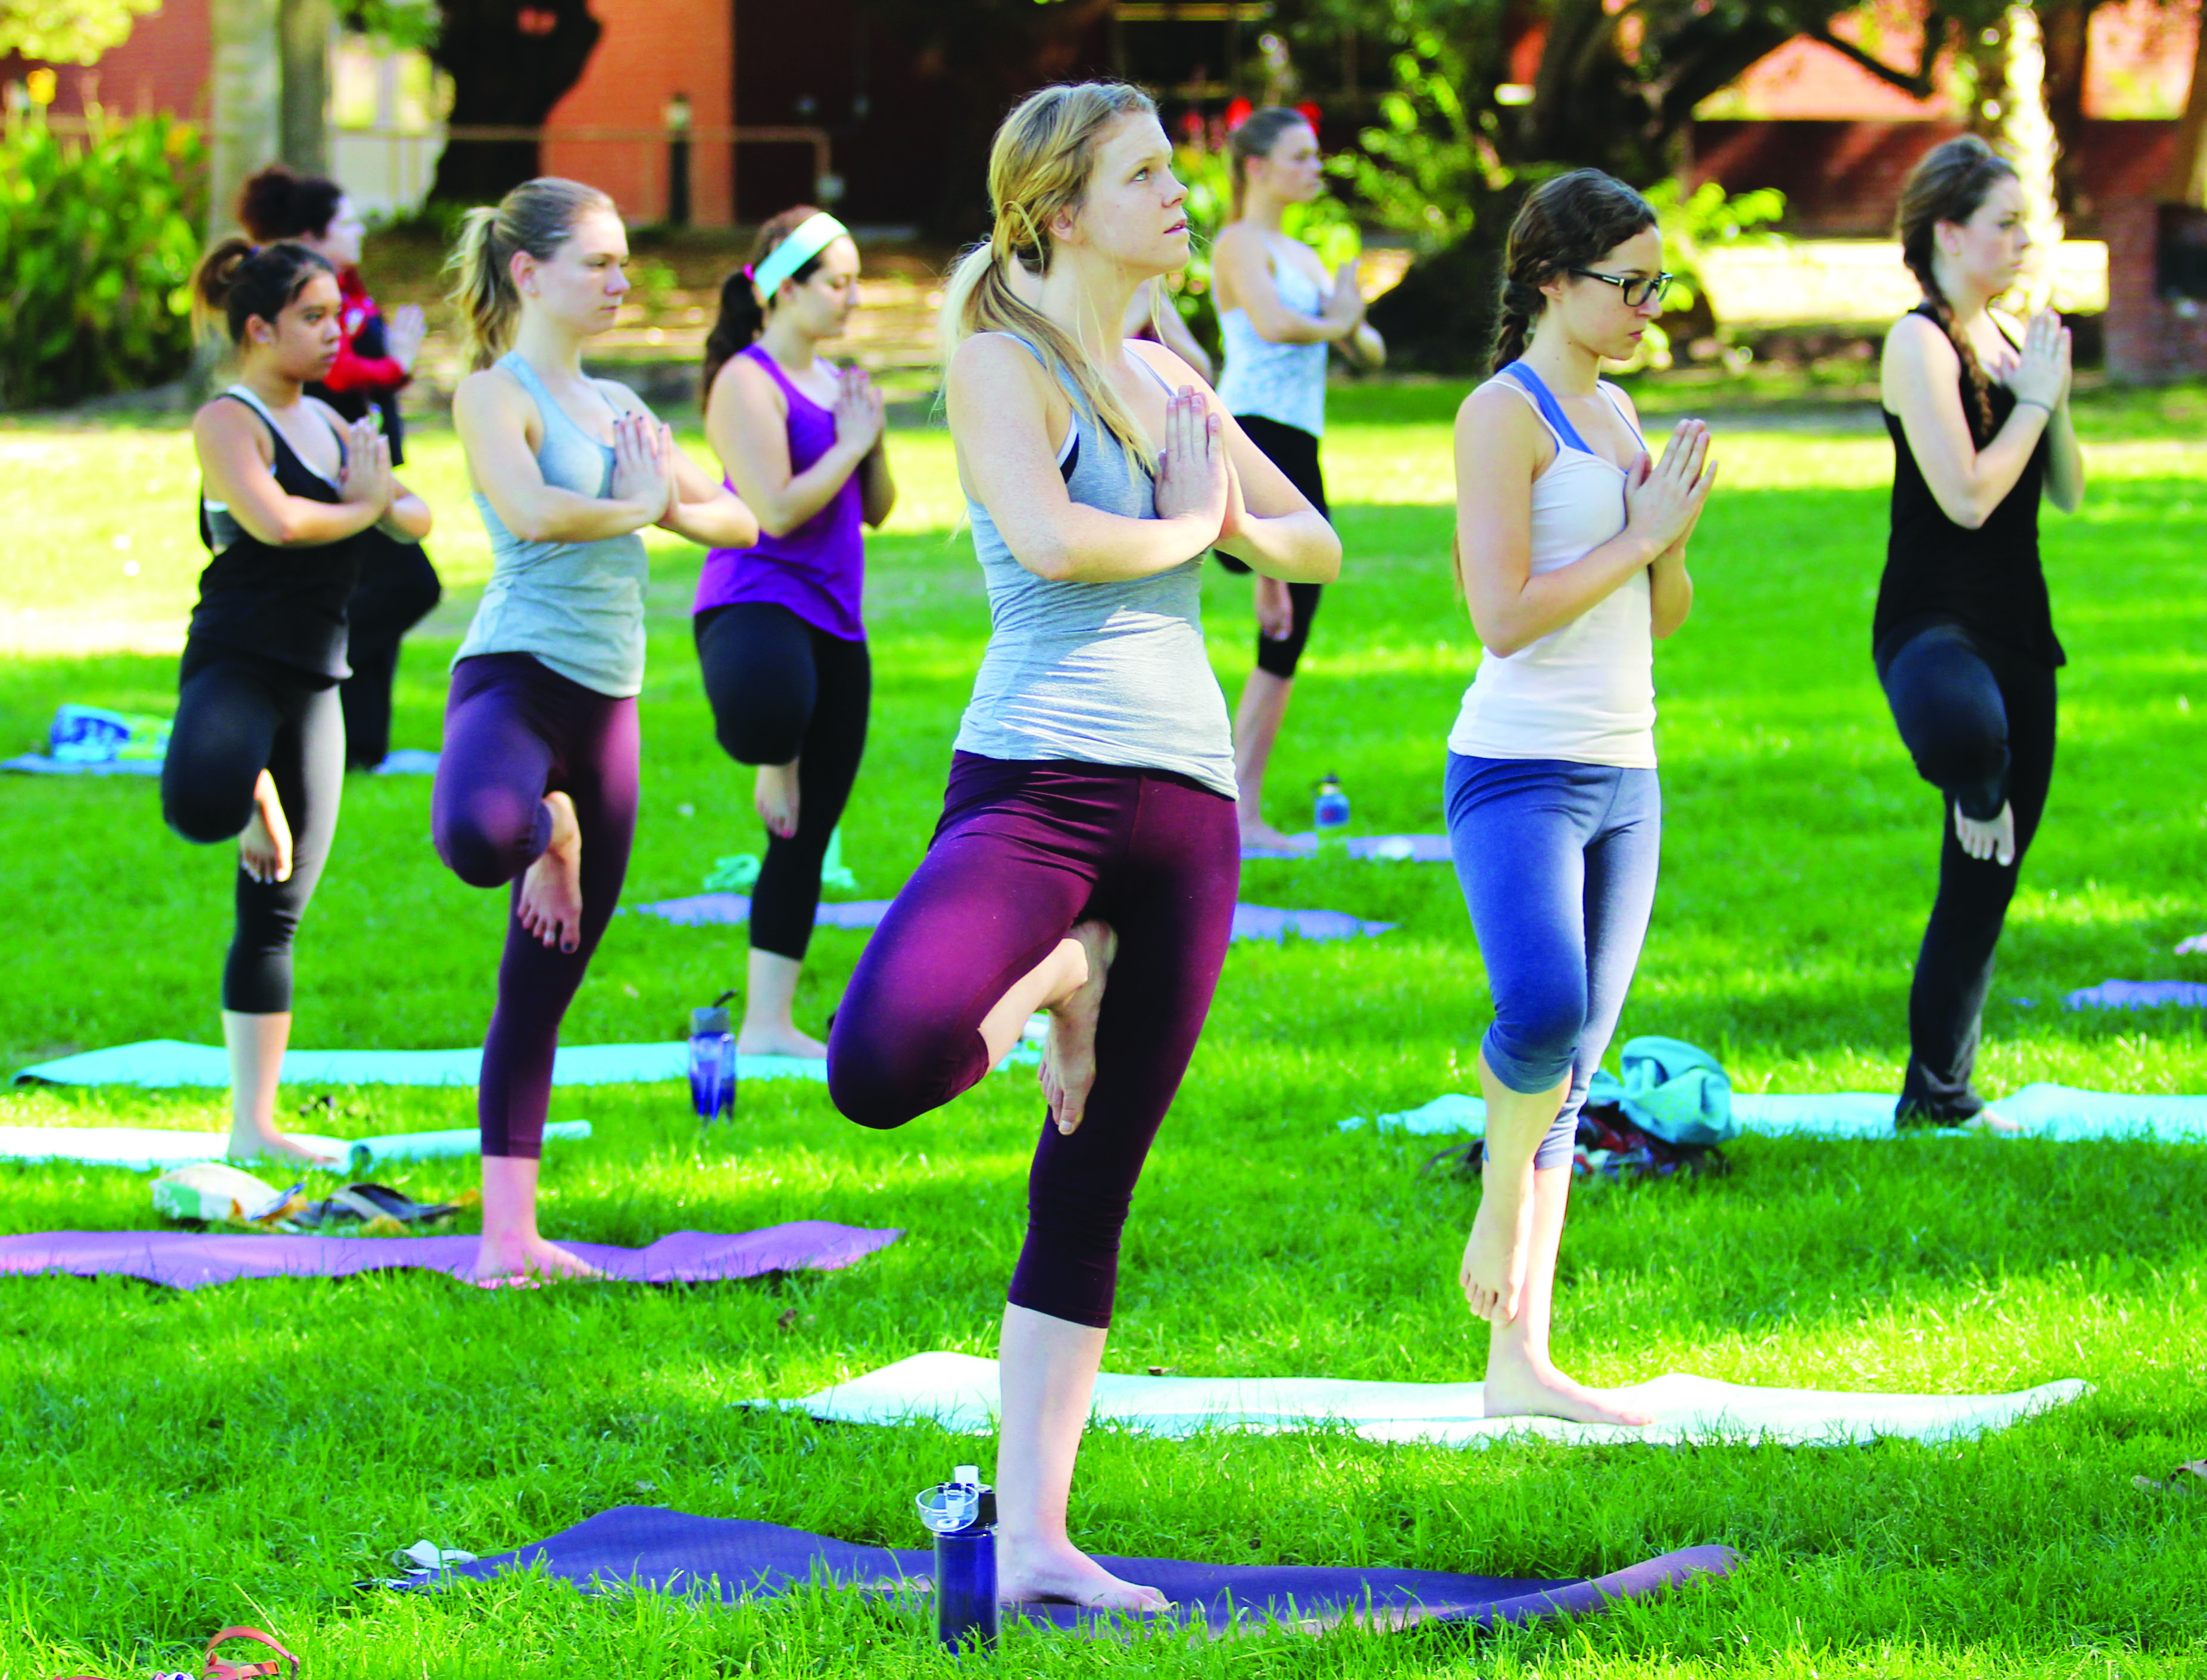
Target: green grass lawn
[{"x": 176, "y": 1462}]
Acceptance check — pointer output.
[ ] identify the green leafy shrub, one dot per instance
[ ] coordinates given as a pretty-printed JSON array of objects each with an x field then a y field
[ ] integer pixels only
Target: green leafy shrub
[{"x": 97, "y": 236}]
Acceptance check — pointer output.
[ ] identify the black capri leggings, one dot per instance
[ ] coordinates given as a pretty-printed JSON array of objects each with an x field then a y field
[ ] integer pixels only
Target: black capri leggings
[
  {"x": 1978, "y": 719},
  {"x": 398, "y": 589},
  {"x": 783, "y": 689},
  {"x": 1295, "y": 452},
  {"x": 237, "y": 714}
]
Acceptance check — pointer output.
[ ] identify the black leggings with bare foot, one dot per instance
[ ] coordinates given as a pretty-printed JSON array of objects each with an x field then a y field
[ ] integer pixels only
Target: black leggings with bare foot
[
  {"x": 515, "y": 731},
  {"x": 237, "y": 714}
]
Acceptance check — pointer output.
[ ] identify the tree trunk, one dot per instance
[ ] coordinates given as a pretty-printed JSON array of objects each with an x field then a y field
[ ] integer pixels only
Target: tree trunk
[
  {"x": 307, "y": 27},
  {"x": 2068, "y": 33},
  {"x": 509, "y": 63},
  {"x": 246, "y": 86}
]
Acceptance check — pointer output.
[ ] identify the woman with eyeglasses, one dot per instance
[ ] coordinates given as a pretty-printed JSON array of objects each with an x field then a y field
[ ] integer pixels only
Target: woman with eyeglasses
[{"x": 1571, "y": 554}]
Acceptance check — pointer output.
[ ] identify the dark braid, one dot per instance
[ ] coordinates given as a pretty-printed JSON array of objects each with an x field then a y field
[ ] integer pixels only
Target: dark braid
[
  {"x": 1948, "y": 185},
  {"x": 1565, "y": 223}
]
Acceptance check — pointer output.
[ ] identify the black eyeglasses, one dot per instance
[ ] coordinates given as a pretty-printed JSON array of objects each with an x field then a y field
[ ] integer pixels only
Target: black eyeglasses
[{"x": 1636, "y": 292}]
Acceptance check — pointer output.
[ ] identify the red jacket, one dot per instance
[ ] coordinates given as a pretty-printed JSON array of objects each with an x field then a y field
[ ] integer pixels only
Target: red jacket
[{"x": 372, "y": 376}]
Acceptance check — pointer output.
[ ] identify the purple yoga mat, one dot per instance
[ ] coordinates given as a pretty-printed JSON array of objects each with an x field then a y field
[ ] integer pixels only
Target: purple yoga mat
[
  {"x": 2138, "y": 994},
  {"x": 731, "y": 1560},
  {"x": 192, "y": 1259},
  {"x": 1251, "y": 921}
]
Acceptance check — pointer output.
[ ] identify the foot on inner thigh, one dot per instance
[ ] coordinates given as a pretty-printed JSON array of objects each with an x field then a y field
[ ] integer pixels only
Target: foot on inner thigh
[
  {"x": 774, "y": 794},
  {"x": 264, "y": 845},
  {"x": 1068, "y": 1059},
  {"x": 552, "y": 891},
  {"x": 1994, "y": 839},
  {"x": 510, "y": 1259},
  {"x": 255, "y": 1144},
  {"x": 1494, "y": 1257},
  {"x": 1520, "y": 1386},
  {"x": 783, "y": 1039},
  {"x": 1043, "y": 1572}
]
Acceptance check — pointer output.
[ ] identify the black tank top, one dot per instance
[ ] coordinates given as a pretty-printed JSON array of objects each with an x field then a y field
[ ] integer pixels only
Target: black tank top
[
  {"x": 1936, "y": 571},
  {"x": 284, "y": 604}
]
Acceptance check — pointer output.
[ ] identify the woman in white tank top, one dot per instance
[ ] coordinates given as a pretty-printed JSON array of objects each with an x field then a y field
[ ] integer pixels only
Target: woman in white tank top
[{"x": 1572, "y": 551}]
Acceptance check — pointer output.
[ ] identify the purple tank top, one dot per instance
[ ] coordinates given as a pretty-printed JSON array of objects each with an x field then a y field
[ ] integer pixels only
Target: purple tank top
[{"x": 818, "y": 571}]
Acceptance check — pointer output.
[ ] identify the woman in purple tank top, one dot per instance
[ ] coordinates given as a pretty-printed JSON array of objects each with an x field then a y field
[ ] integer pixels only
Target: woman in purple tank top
[{"x": 781, "y": 635}]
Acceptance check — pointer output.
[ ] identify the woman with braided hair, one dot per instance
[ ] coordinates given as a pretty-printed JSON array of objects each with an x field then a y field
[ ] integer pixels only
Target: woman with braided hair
[{"x": 1963, "y": 636}]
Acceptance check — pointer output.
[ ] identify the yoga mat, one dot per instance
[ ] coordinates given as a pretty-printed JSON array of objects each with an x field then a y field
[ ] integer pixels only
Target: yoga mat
[
  {"x": 958, "y": 1391},
  {"x": 731, "y": 1560},
  {"x": 408, "y": 761},
  {"x": 193, "y": 1259},
  {"x": 161, "y": 1062},
  {"x": 2139, "y": 995},
  {"x": 38, "y": 764},
  {"x": 1381, "y": 848},
  {"x": 146, "y": 1149},
  {"x": 1251, "y": 921},
  {"x": 2058, "y": 1114}
]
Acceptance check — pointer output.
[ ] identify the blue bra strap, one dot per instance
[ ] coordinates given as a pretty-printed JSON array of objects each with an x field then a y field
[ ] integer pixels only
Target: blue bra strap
[{"x": 1544, "y": 400}]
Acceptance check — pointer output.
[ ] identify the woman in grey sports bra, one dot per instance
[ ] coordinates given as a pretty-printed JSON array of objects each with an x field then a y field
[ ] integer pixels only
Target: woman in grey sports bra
[
  {"x": 537, "y": 785},
  {"x": 1087, "y": 859}
]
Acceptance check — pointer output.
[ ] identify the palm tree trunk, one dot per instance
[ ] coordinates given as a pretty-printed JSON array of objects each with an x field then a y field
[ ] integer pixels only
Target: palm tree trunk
[{"x": 247, "y": 98}]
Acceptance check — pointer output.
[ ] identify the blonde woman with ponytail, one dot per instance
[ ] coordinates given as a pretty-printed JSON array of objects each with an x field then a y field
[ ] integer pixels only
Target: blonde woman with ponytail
[
  {"x": 1571, "y": 550},
  {"x": 537, "y": 785},
  {"x": 1087, "y": 857},
  {"x": 1963, "y": 639}
]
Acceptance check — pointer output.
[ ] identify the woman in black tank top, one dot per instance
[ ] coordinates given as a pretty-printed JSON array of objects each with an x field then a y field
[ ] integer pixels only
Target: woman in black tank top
[
  {"x": 1964, "y": 634},
  {"x": 289, "y": 494}
]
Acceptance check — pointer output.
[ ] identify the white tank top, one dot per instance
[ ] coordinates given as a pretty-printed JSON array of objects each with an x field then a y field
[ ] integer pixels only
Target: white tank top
[
  {"x": 1281, "y": 382},
  {"x": 1585, "y": 692}
]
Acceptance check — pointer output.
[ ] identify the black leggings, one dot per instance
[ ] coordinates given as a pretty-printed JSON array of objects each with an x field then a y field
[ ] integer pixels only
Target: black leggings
[
  {"x": 783, "y": 689},
  {"x": 398, "y": 588},
  {"x": 1295, "y": 452},
  {"x": 1979, "y": 721},
  {"x": 237, "y": 714}
]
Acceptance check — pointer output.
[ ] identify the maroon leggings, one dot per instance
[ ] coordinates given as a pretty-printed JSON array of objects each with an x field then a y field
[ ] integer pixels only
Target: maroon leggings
[
  {"x": 516, "y": 730},
  {"x": 1025, "y": 850}
]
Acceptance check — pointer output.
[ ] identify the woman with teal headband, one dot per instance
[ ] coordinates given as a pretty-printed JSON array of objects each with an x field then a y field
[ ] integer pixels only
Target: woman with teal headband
[{"x": 781, "y": 640}]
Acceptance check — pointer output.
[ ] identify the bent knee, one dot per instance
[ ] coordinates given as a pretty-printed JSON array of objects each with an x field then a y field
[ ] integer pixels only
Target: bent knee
[
  {"x": 755, "y": 739},
  {"x": 1531, "y": 1049},
  {"x": 200, "y": 817},
  {"x": 487, "y": 842},
  {"x": 883, "y": 1084}
]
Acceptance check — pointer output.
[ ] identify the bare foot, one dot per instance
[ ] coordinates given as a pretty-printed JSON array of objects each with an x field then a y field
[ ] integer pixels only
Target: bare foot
[
  {"x": 774, "y": 794},
  {"x": 1069, "y": 1058},
  {"x": 552, "y": 891},
  {"x": 274, "y": 1145},
  {"x": 508, "y": 1260},
  {"x": 1519, "y": 1387},
  {"x": 1064, "y": 1574},
  {"x": 1493, "y": 1275},
  {"x": 1994, "y": 839},
  {"x": 1991, "y": 1120},
  {"x": 779, "y": 1041},
  {"x": 1260, "y": 835},
  {"x": 264, "y": 846}
]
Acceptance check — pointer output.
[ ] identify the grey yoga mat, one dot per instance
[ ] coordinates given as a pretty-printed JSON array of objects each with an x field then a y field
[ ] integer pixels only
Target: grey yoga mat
[
  {"x": 148, "y": 1149},
  {"x": 2059, "y": 1113},
  {"x": 958, "y": 1391},
  {"x": 167, "y": 1061},
  {"x": 1251, "y": 921},
  {"x": 730, "y": 1559}
]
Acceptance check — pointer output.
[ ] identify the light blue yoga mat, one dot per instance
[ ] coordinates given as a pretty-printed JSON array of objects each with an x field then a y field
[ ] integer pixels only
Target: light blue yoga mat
[
  {"x": 38, "y": 764},
  {"x": 165, "y": 1061},
  {"x": 151, "y": 1149},
  {"x": 2058, "y": 1113},
  {"x": 2139, "y": 995},
  {"x": 1251, "y": 921}
]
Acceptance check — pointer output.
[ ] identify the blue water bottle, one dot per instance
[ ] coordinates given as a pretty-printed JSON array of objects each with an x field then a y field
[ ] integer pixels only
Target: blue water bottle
[
  {"x": 1330, "y": 818},
  {"x": 712, "y": 1060},
  {"x": 961, "y": 1515}
]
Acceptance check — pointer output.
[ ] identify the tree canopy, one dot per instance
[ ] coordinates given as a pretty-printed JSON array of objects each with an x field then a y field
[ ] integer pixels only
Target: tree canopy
[{"x": 67, "y": 31}]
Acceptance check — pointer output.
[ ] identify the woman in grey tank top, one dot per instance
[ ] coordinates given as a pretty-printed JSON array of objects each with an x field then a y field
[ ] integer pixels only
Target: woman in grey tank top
[
  {"x": 1087, "y": 859},
  {"x": 537, "y": 785}
]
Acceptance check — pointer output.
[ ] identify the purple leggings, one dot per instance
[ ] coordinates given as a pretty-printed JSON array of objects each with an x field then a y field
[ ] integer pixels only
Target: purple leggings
[
  {"x": 1025, "y": 850},
  {"x": 516, "y": 730}
]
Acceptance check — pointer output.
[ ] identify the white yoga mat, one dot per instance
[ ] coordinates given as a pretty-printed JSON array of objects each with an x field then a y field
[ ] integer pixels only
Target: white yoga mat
[
  {"x": 150, "y": 1149},
  {"x": 960, "y": 1391},
  {"x": 2058, "y": 1113}
]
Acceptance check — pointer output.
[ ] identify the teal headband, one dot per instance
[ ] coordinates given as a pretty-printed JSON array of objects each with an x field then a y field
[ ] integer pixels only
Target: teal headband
[{"x": 806, "y": 241}]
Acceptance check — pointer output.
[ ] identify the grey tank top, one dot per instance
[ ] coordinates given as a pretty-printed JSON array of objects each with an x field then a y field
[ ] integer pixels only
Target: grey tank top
[
  {"x": 577, "y": 607},
  {"x": 1104, "y": 674}
]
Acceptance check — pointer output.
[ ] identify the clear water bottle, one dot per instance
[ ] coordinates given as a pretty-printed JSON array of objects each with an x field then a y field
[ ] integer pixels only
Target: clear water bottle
[
  {"x": 713, "y": 1061},
  {"x": 961, "y": 1515},
  {"x": 1330, "y": 818}
]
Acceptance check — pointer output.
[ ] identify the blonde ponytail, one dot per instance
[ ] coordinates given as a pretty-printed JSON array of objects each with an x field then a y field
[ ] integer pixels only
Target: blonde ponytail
[
  {"x": 535, "y": 217},
  {"x": 1039, "y": 170}
]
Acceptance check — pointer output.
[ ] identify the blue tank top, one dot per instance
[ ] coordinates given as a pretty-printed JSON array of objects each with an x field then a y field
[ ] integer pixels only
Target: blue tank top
[
  {"x": 1103, "y": 673},
  {"x": 577, "y": 607}
]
